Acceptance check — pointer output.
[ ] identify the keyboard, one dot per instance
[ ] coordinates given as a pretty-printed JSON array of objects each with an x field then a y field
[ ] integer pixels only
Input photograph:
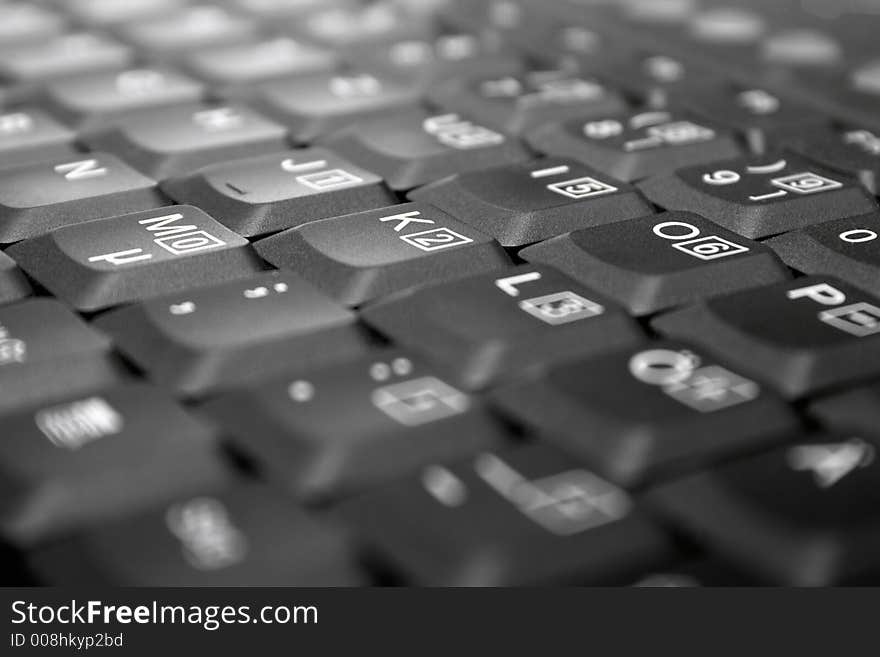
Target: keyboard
[{"x": 439, "y": 293}]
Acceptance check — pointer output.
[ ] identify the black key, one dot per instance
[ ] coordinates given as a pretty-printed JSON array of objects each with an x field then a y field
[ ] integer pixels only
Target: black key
[
  {"x": 344, "y": 27},
  {"x": 30, "y": 135},
  {"x": 399, "y": 416},
  {"x": 524, "y": 517},
  {"x": 210, "y": 338},
  {"x": 359, "y": 257},
  {"x": 758, "y": 198},
  {"x": 13, "y": 284},
  {"x": 763, "y": 119},
  {"x": 113, "y": 12},
  {"x": 180, "y": 32},
  {"x": 487, "y": 328},
  {"x": 268, "y": 193},
  {"x": 84, "y": 458},
  {"x": 92, "y": 101},
  {"x": 634, "y": 146},
  {"x": 26, "y": 23},
  {"x": 517, "y": 104},
  {"x": 518, "y": 204},
  {"x": 414, "y": 148},
  {"x": 426, "y": 62},
  {"x": 38, "y": 197},
  {"x": 854, "y": 151},
  {"x": 803, "y": 515},
  {"x": 648, "y": 412},
  {"x": 847, "y": 94},
  {"x": 802, "y": 336},
  {"x": 847, "y": 248},
  {"x": 230, "y": 66},
  {"x": 68, "y": 54},
  {"x": 239, "y": 535},
  {"x": 856, "y": 411},
  {"x": 46, "y": 352},
  {"x": 120, "y": 259},
  {"x": 314, "y": 106},
  {"x": 660, "y": 261},
  {"x": 175, "y": 140}
]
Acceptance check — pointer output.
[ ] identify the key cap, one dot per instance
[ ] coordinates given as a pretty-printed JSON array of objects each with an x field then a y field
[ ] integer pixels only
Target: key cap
[
  {"x": 92, "y": 101},
  {"x": 46, "y": 352},
  {"x": 113, "y": 12},
  {"x": 490, "y": 327},
  {"x": 68, "y": 54},
  {"x": 763, "y": 119},
  {"x": 13, "y": 284},
  {"x": 111, "y": 261},
  {"x": 527, "y": 202},
  {"x": 249, "y": 63},
  {"x": 855, "y": 411},
  {"x": 528, "y": 516},
  {"x": 366, "y": 255},
  {"x": 648, "y": 412},
  {"x": 314, "y": 106},
  {"x": 801, "y": 336},
  {"x": 412, "y": 149},
  {"x": 268, "y": 193},
  {"x": 426, "y": 62},
  {"x": 849, "y": 96},
  {"x": 347, "y": 27},
  {"x": 211, "y": 338},
  {"x": 518, "y": 104},
  {"x": 853, "y": 151},
  {"x": 846, "y": 248},
  {"x": 800, "y": 515},
  {"x": 271, "y": 10},
  {"x": 702, "y": 572},
  {"x": 658, "y": 80},
  {"x": 399, "y": 415},
  {"x": 30, "y": 135},
  {"x": 660, "y": 261},
  {"x": 176, "y": 140},
  {"x": 760, "y": 197},
  {"x": 23, "y": 23},
  {"x": 38, "y": 197},
  {"x": 238, "y": 535},
  {"x": 88, "y": 457},
  {"x": 198, "y": 26},
  {"x": 635, "y": 146}
]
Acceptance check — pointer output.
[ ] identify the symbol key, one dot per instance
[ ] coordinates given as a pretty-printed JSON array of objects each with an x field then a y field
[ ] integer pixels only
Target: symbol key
[
  {"x": 38, "y": 197},
  {"x": 847, "y": 248},
  {"x": 80, "y": 459},
  {"x": 233, "y": 535},
  {"x": 46, "y": 351},
  {"x": 399, "y": 415},
  {"x": 661, "y": 261},
  {"x": 211, "y": 338},
  {"x": 531, "y": 201},
  {"x": 801, "y": 515},
  {"x": 175, "y": 140},
  {"x": 29, "y": 135},
  {"x": 268, "y": 193},
  {"x": 759, "y": 198},
  {"x": 634, "y": 146},
  {"x": 415, "y": 148},
  {"x": 801, "y": 336},
  {"x": 528, "y": 516},
  {"x": 145, "y": 254},
  {"x": 519, "y": 103},
  {"x": 487, "y": 328},
  {"x": 648, "y": 412},
  {"x": 359, "y": 257}
]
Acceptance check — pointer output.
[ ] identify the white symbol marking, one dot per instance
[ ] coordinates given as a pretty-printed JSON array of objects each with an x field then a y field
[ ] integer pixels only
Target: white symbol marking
[
  {"x": 291, "y": 166},
  {"x": 832, "y": 462},
  {"x": 330, "y": 179},
  {"x": 301, "y": 391},
  {"x": 444, "y": 486},
  {"x": 806, "y": 182},
  {"x": 218, "y": 120},
  {"x": 209, "y": 538},
  {"x": 858, "y": 235},
  {"x": 580, "y": 188},
  {"x": 12, "y": 350},
  {"x": 509, "y": 285},
  {"x": 858, "y": 319},
  {"x": 552, "y": 171},
  {"x": 81, "y": 170},
  {"x": 419, "y": 401},
  {"x": 767, "y": 168},
  {"x": 452, "y": 131},
  {"x": 185, "y": 308},
  {"x": 561, "y": 308},
  {"x": 436, "y": 239},
  {"x": 405, "y": 219},
  {"x": 122, "y": 257},
  {"x": 710, "y": 248},
  {"x": 76, "y": 424}
]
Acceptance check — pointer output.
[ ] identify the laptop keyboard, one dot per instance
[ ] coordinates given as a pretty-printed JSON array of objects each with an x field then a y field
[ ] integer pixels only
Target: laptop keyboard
[{"x": 485, "y": 293}]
